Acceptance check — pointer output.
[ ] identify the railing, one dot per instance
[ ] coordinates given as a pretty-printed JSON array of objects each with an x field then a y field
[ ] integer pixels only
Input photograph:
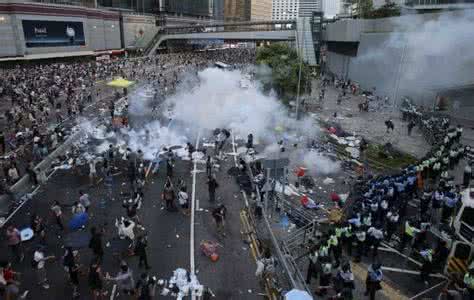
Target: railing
[
  {"x": 227, "y": 27},
  {"x": 437, "y": 2}
]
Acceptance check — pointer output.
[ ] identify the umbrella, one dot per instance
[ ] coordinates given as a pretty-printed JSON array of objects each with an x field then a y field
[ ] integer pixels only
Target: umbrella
[
  {"x": 295, "y": 294},
  {"x": 77, "y": 239},
  {"x": 120, "y": 83},
  {"x": 78, "y": 221},
  {"x": 26, "y": 234}
]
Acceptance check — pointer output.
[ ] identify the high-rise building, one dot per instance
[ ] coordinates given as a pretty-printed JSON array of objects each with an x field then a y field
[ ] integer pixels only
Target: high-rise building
[
  {"x": 202, "y": 8},
  {"x": 292, "y": 9},
  {"x": 261, "y": 10},
  {"x": 332, "y": 8},
  {"x": 307, "y": 7},
  {"x": 218, "y": 10},
  {"x": 285, "y": 9},
  {"x": 237, "y": 10}
]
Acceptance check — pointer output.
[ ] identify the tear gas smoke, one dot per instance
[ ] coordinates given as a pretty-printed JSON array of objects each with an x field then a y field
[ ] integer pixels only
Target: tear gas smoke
[
  {"x": 316, "y": 163},
  {"x": 216, "y": 100},
  {"x": 425, "y": 51}
]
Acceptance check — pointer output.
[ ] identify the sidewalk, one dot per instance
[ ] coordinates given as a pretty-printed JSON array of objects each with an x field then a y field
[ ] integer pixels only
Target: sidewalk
[{"x": 370, "y": 124}]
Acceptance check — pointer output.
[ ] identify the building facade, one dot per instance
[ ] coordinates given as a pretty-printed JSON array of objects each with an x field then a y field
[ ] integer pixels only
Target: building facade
[
  {"x": 307, "y": 7},
  {"x": 237, "y": 10},
  {"x": 285, "y": 10},
  {"x": 218, "y": 10},
  {"x": 201, "y": 8},
  {"x": 332, "y": 8},
  {"x": 261, "y": 10}
]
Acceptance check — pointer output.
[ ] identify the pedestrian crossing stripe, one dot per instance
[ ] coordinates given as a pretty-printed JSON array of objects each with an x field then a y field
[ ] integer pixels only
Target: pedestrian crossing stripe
[
  {"x": 390, "y": 292},
  {"x": 457, "y": 265}
]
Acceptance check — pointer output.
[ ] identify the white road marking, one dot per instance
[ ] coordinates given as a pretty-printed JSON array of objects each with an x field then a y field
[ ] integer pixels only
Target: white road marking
[
  {"x": 411, "y": 272},
  {"x": 246, "y": 201},
  {"x": 428, "y": 290},
  {"x": 112, "y": 294},
  {"x": 193, "y": 208}
]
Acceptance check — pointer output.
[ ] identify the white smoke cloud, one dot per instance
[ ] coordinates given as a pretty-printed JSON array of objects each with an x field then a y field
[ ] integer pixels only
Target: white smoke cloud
[
  {"x": 427, "y": 51},
  {"x": 317, "y": 164},
  {"x": 216, "y": 100},
  {"x": 219, "y": 102}
]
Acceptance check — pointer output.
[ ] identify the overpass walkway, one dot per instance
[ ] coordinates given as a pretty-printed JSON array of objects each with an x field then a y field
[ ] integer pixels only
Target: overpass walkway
[{"x": 280, "y": 35}]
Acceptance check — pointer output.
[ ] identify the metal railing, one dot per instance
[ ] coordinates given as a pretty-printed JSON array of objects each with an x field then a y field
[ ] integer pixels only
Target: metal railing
[
  {"x": 226, "y": 27},
  {"x": 437, "y": 2}
]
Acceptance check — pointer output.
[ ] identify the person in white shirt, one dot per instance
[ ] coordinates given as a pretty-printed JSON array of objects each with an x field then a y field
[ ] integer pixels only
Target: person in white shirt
[
  {"x": 39, "y": 262},
  {"x": 125, "y": 228},
  {"x": 78, "y": 208},
  {"x": 183, "y": 201}
]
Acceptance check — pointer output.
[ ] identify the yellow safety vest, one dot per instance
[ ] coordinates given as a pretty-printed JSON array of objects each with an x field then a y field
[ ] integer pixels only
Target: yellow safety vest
[
  {"x": 409, "y": 229},
  {"x": 332, "y": 241},
  {"x": 469, "y": 281}
]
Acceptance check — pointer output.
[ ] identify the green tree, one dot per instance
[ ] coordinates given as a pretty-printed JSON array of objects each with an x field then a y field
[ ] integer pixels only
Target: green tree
[
  {"x": 285, "y": 65},
  {"x": 389, "y": 9}
]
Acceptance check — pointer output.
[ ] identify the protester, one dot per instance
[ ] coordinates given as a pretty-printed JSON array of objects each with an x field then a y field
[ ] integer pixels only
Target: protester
[{"x": 219, "y": 215}]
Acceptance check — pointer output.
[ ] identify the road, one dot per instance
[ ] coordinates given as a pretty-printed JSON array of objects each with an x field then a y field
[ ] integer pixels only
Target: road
[{"x": 169, "y": 233}]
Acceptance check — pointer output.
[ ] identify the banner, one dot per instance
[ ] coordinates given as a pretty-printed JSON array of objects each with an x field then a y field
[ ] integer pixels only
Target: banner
[{"x": 39, "y": 33}]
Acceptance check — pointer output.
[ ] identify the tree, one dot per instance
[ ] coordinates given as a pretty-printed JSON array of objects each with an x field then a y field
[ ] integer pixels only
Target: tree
[
  {"x": 285, "y": 64},
  {"x": 387, "y": 10}
]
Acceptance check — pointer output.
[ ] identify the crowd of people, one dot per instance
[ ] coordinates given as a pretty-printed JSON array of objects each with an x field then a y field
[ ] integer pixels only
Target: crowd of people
[
  {"x": 40, "y": 99},
  {"x": 382, "y": 211}
]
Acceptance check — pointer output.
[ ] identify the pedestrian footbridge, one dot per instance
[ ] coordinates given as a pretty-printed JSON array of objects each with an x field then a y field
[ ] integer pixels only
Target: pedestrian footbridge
[
  {"x": 282, "y": 35},
  {"x": 300, "y": 32}
]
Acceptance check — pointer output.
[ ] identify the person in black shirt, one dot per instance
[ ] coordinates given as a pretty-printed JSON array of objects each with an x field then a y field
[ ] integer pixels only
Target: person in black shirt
[
  {"x": 140, "y": 251},
  {"x": 212, "y": 185},
  {"x": 219, "y": 214},
  {"x": 95, "y": 244}
]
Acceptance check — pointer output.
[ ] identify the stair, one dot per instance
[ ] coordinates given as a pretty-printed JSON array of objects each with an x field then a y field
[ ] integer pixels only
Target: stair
[
  {"x": 148, "y": 51},
  {"x": 304, "y": 40}
]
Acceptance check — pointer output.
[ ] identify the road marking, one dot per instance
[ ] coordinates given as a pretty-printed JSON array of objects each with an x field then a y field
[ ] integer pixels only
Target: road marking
[
  {"x": 246, "y": 201},
  {"x": 399, "y": 253},
  {"x": 193, "y": 208},
  {"x": 233, "y": 148},
  {"x": 112, "y": 294},
  {"x": 387, "y": 290},
  {"x": 411, "y": 272},
  {"x": 428, "y": 290}
]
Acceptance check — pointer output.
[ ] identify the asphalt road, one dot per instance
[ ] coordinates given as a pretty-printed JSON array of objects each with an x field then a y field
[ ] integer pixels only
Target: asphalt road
[{"x": 232, "y": 277}]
